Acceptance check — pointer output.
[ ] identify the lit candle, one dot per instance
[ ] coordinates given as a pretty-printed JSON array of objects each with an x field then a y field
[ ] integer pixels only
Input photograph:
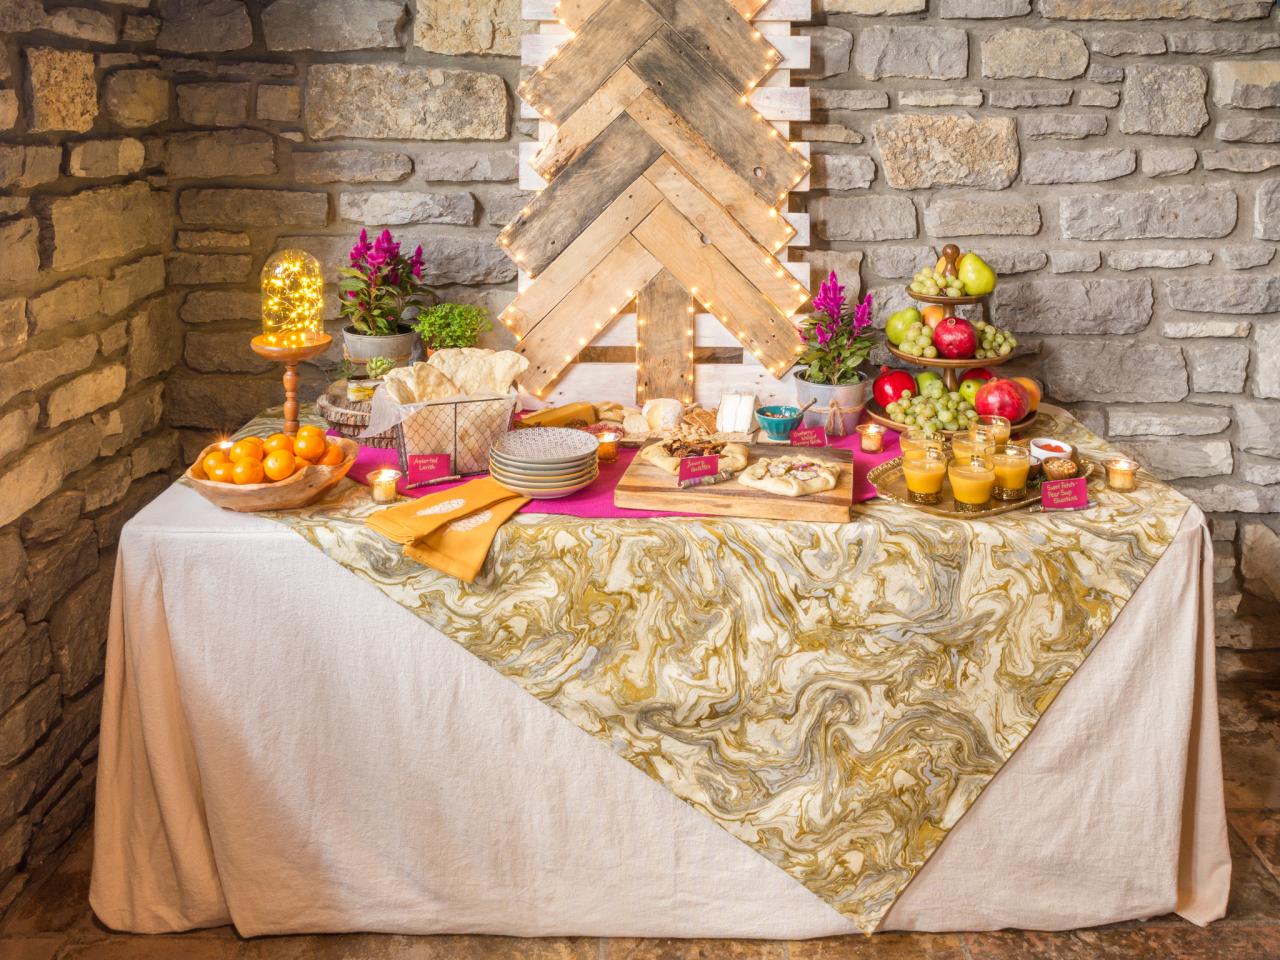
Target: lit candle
[
  {"x": 608, "y": 451},
  {"x": 1122, "y": 474},
  {"x": 872, "y": 437},
  {"x": 383, "y": 485}
]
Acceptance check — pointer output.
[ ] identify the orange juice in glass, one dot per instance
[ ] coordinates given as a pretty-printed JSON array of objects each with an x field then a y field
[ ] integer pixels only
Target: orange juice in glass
[
  {"x": 972, "y": 444},
  {"x": 1012, "y": 464},
  {"x": 924, "y": 472},
  {"x": 972, "y": 481},
  {"x": 995, "y": 429},
  {"x": 915, "y": 440}
]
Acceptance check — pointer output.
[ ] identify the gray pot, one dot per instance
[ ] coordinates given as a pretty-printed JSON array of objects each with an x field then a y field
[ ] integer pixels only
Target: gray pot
[
  {"x": 404, "y": 347},
  {"x": 849, "y": 397}
]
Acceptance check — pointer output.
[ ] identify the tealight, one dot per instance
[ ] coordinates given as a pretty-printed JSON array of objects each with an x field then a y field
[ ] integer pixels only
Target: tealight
[
  {"x": 382, "y": 485},
  {"x": 872, "y": 437},
  {"x": 608, "y": 451},
  {"x": 1122, "y": 474}
]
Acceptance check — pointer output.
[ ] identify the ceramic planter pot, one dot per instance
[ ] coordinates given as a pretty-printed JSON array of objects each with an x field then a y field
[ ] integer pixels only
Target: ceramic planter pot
[
  {"x": 849, "y": 397},
  {"x": 404, "y": 347}
]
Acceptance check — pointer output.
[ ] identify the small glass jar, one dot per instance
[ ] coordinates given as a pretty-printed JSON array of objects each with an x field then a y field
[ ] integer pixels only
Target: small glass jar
[
  {"x": 1122, "y": 474},
  {"x": 872, "y": 435},
  {"x": 382, "y": 485},
  {"x": 1012, "y": 465},
  {"x": 608, "y": 449}
]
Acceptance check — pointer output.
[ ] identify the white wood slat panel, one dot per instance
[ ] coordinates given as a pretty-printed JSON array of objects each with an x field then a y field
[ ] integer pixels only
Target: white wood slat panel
[
  {"x": 800, "y": 221},
  {"x": 707, "y": 332},
  {"x": 617, "y": 381}
]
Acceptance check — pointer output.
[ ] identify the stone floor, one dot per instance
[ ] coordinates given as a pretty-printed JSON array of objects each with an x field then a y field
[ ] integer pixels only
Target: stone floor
[{"x": 52, "y": 920}]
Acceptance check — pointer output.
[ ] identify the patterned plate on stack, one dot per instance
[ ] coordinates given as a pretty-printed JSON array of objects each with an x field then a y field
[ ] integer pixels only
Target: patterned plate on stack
[{"x": 545, "y": 463}]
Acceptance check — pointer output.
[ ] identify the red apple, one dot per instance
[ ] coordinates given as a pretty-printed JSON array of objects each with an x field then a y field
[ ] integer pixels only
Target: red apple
[
  {"x": 1003, "y": 398},
  {"x": 890, "y": 384},
  {"x": 978, "y": 373},
  {"x": 955, "y": 339}
]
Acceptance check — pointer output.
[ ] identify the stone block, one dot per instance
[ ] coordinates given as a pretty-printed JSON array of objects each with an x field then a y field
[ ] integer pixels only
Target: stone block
[
  {"x": 1074, "y": 306},
  {"x": 8, "y": 109},
  {"x": 964, "y": 217},
  {"x": 1020, "y": 99},
  {"x": 1078, "y": 166},
  {"x": 20, "y": 784},
  {"x": 826, "y": 133},
  {"x": 1260, "y": 560},
  {"x": 108, "y": 523},
  {"x": 1195, "y": 329},
  {"x": 140, "y": 29},
  {"x": 1104, "y": 73},
  {"x": 467, "y": 260},
  {"x": 1157, "y": 259},
  {"x": 85, "y": 394},
  {"x": 1063, "y": 126},
  {"x": 239, "y": 208},
  {"x": 210, "y": 403},
  {"x": 28, "y": 720},
  {"x": 1044, "y": 52},
  {"x": 1244, "y": 256},
  {"x": 1249, "y": 84},
  {"x": 354, "y": 166},
  {"x": 55, "y": 568},
  {"x": 1007, "y": 262},
  {"x": 825, "y": 98},
  {"x": 402, "y": 102},
  {"x": 1266, "y": 374},
  {"x": 71, "y": 302},
  {"x": 19, "y": 239},
  {"x": 955, "y": 97},
  {"x": 1099, "y": 97},
  {"x": 1179, "y": 459},
  {"x": 1241, "y": 159},
  {"x": 1154, "y": 421},
  {"x": 78, "y": 631},
  {"x": 1248, "y": 130},
  {"x": 469, "y": 27},
  {"x": 900, "y": 262},
  {"x": 212, "y": 306},
  {"x": 830, "y": 50},
  {"x": 13, "y": 326},
  {"x": 1234, "y": 295},
  {"x": 1120, "y": 43},
  {"x": 16, "y": 428},
  {"x": 1163, "y": 212},
  {"x": 213, "y": 104},
  {"x": 399, "y": 207},
  {"x": 1168, "y": 161},
  {"x": 1074, "y": 261},
  {"x": 1102, "y": 372},
  {"x": 212, "y": 240},
  {"x": 136, "y": 98},
  {"x": 204, "y": 26},
  {"x": 1266, "y": 210},
  {"x": 130, "y": 283},
  {"x": 1217, "y": 367},
  {"x": 24, "y": 659},
  {"x": 106, "y": 158},
  {"x": 191, "y": 269},
  {"x": 107, "y": 223},
  {"x": 1163, "y": 100},
  {"x": 1154, "y": 9},
  {"x": 27, "y": 167},
  {"x": 842, "y": 171},
  {"x": 929, "y": 150},
  {"x": 22, "y": 16},
  {"x": 984, "y": 9},
  {"x": 279, "y": 102},
  {"x": 64, "y": 93},
  {"x": 1256, "y": 427},
  {"x": 924, "y": 52},
  {"x": 35, "y": 369},
  {"x": 106, "y": 483},
  {"x": 211, "y": 155},
  {"x": 502, "y": 207},
  {"x": 223, "y": 351},
  {"x": 53, "y": 518},
  {"x": 334, "y": 25},
  {"x": 1222, "y": 41},
  {"x": 873, "y": 8},
  {"x": 864, "y": 218},
  {"x": 155, "y": 339},
  {"x": 137, "y": 414}
]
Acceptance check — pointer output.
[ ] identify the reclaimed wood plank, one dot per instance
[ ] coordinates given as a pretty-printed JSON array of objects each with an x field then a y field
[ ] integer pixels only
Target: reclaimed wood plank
[
  {"x": 708, "y": 332},
  {"x": 569, "y": 204},
  {"x": 586, "y": 123},
  {"x": 602, "y": 294},
  {"x": 574, "y": 12},
  {"x": 716, "y": 283},
  {"x": 778, "y": 105},
  {"x": 734, "y": 49},
  {"x": 604, "y": 43},
  {"x": 797, "y": 52},
  {"x": 734, "y": 132},
  {"x": 599, "y": 353},
  {"x": 664, "y": 340},
  {"x": 617, "y": 382}
]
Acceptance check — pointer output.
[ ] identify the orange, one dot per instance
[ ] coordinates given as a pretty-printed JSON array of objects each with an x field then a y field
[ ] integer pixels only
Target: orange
[
  {"x": 247, "y": 470},
  {"x": 333, "y": 456},
  {"x": 1033, "y": 391},
  {"x": 278, "y": 441},
  {"x": 211, "y": 461},
  {"x": 279, "y": 465},
  {"x": 310, "y": 446},
  {"x": 258, "y": 440},
  {"x": 310, "y": 429},
  {"x": 933, "y": 315},
  {"x": 223, "y": 472},
  {"x": 246, "y": 450}
]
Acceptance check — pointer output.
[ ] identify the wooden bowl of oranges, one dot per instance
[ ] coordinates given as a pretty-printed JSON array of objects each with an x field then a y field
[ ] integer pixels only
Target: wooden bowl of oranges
[{"x": 278, "y": 472}]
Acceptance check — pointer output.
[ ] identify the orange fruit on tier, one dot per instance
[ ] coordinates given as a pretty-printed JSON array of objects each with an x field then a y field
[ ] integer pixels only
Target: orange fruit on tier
[
  {"x": 278, "y": 441},
  {"x": 211, "y": 461},
  {"x": 310, "y": 446},
  {"x": 222, "y": 472},
  {"x": 333, "y": 456},
  {"x": 279, "y": 465},
  {"x": 1033, "y": 391},
  {"x": 247, "y": 470},
  {"x": 246, "y": 450},
  {"x": 933, "y": 314}
]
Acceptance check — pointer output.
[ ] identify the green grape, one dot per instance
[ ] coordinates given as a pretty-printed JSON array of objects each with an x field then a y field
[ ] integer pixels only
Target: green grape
[{"x": 931, "y": 352}]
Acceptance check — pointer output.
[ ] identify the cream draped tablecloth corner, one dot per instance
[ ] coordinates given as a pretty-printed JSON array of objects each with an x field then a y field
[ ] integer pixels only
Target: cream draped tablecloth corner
[{"x": 286, "y": 750}]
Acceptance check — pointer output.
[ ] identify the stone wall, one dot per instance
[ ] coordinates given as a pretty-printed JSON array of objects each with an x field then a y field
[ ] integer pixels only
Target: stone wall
[{"x": 1123, "y": 174}]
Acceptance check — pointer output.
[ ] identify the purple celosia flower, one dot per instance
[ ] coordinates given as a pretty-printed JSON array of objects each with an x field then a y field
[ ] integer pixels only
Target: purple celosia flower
[
  {"x": 862, "y": 316},
  {"x": 361, "y": 249},
  {"x": 417, "y": 263},
  {"x": 830, "y": 298}
]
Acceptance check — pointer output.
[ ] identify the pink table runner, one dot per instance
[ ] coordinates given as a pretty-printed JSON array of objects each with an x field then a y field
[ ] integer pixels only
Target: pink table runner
[{"x": 596, "y": 501}]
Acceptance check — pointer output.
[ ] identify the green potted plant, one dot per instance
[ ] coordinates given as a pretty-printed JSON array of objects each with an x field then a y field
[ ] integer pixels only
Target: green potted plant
[
  {"x": 837, "y": 343},
  {"x": 379, "y": 293},
  {"x": 362, "y": 384},
  {"x": 451, "y": 325}
]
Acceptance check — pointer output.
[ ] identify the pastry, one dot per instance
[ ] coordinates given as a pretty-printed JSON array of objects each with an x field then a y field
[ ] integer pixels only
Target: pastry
[
  {"x": 791, "y": 476},
  {"x": 667, "y": 454},
  {"x": 1059, "y": 468}
]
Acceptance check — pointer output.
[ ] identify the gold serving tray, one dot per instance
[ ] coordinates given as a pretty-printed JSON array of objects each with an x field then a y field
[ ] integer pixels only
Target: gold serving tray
[{"x": 891, "y": 485}]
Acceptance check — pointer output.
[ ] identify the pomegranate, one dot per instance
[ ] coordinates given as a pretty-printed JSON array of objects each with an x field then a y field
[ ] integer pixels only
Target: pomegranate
[
  {"x": 955, "y": 339},
  {"x": 1003, "y": 398},
  {"x": 890, "y": 384}
]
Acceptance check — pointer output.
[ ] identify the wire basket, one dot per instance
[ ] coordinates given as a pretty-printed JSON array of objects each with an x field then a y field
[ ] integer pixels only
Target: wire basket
[{"x": 465, "y": 429}]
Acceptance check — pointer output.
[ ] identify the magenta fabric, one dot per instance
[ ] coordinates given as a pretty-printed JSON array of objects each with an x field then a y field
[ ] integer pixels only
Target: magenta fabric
[{"x": 596, "y": 501}]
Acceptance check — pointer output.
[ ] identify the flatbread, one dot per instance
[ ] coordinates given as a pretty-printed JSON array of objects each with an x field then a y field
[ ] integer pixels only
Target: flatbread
[
  {"x": 419, "y": 384},
  {"x": 733, "y": 456},
  {"x": 477, "y": 371},
  {"x": 792, "y": 476}
]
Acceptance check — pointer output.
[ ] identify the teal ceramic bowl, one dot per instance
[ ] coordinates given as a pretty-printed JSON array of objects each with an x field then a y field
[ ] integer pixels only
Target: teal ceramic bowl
[{"x": 778, "y": 422}]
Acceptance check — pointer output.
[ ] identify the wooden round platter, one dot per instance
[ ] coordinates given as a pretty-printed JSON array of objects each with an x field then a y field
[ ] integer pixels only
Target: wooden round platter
[
  {"x": 876, "y": 413},
  {"x": 306, "y": 486},
  {"x": 946, "y": 301}
]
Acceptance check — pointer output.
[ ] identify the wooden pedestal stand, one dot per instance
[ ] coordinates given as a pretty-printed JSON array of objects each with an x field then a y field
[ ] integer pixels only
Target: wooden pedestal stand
[
  {"x": 291, "y": 357},
  {"x": 952, "y": 370}
]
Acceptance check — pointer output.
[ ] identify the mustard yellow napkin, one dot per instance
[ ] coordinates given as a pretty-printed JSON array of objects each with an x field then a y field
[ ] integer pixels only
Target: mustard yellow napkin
[
  {"x": 460, "y": 548},
  {"x": 413, "y": 519}
]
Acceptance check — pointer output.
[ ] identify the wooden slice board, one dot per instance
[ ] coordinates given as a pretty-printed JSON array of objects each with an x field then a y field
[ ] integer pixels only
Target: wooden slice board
[{"x": 645, "y": 487}]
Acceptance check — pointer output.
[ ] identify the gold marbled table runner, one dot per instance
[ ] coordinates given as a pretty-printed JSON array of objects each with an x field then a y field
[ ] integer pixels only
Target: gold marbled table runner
[{"x": 836, "y": 696}]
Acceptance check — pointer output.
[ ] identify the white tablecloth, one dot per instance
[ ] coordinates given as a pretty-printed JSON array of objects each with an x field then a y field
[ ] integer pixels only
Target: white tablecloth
[{"x": 285, "y": 749}]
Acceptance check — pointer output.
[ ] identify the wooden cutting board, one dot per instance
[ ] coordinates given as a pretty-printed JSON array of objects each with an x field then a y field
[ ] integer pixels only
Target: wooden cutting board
[{"x": 645, "y": 487}]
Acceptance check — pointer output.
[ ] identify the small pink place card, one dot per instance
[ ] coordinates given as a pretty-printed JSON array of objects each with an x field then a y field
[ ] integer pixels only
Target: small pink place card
[
  {"x": 1065, "y": 494},
  {"x": 695, "y": 468},
  {"x": 426, "y": 467},
  {"x": 809, "y": 437}
]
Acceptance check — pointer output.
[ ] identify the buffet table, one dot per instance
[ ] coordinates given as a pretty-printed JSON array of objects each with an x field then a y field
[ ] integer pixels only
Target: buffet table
[{"x": 299, "y": 736}]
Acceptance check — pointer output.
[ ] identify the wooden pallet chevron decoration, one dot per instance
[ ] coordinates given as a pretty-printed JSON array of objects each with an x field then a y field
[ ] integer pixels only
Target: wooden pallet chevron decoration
[{"x": 665, "y": 172}]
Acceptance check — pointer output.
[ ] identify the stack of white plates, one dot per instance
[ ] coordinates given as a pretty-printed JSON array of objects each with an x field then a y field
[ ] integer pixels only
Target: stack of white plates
[{"x": 545, "y": 463}]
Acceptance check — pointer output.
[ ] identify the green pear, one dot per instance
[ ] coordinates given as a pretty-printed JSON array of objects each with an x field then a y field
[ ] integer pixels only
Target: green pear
[
  {"x": 896, "y": 327},
  {"x": 976, "y": 277},
  {"x": 925, "y": 377}
]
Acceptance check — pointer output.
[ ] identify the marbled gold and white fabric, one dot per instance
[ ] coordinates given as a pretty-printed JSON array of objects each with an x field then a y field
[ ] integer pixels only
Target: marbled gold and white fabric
[{"x": 836, "y": 696}]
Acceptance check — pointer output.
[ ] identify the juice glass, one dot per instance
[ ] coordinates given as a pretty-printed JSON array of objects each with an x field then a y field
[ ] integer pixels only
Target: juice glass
[
  {"x": 996, "y": 429},
  {"x": 972, "y": 481},
  {"x": 924, "y": 472},
  {"x": 914, "y": 440},
  {"x": 1012, "y": 464},
  {"x": 972, "y": 444}
]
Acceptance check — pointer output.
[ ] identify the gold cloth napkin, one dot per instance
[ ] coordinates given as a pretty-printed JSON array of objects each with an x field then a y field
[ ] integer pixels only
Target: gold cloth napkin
[
  {"x": 414, "y": 519},
  {"x": 460, "y": 547}
]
